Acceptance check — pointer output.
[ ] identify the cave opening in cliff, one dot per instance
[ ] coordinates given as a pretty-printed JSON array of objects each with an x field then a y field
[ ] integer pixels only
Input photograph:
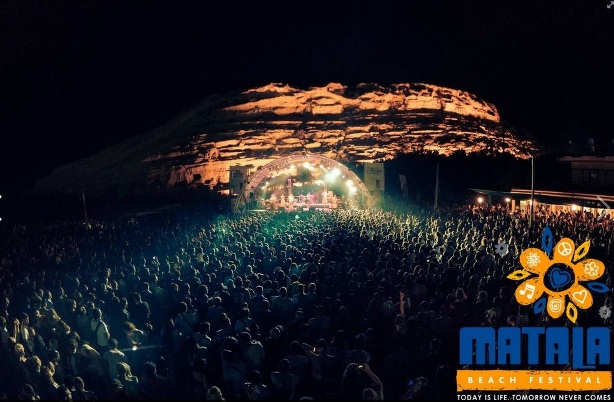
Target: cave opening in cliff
[{"x": 306, "y": 182}]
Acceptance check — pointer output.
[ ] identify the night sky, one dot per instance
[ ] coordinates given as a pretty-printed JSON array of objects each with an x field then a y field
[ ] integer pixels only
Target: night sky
[{"x": 77, "y": 76}]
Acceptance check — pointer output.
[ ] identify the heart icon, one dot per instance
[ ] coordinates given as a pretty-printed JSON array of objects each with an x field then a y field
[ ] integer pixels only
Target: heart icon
[
  {"x": 576, "y": 295},
  {"x": 559, "y": 278}
]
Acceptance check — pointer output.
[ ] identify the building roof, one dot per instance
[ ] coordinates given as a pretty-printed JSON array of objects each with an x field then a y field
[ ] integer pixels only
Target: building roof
[
  {"x": 556, "y": 197},
  {"x": 587, "y": 158}
]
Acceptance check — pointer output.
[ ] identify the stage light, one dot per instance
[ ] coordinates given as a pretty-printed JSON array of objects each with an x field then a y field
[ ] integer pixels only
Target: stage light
[
  {"x": 134, "y": 347},
  {"x": 480, "y": 200},
  {"x": 307, "y": 165},
  {"x": 508, "y": 199},
  {"x": 332, "y": 175},
  {"x": 574, "y": 207},
  {"x": 352, "y": 188}
]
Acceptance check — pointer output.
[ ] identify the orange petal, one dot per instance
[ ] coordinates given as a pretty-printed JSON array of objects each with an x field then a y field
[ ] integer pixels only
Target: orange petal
[
  {"x": 580, "y": 296},
  {"x": 572, "y": 312},
  {"x": 519, "y": 274},
  {"x": 534, "y": 260},
  {"x": 556, "y": 306},
  {"x": 529, "y": 291},
  {"x": 564, "y": 249},
  {"x": 589, "y": 269},
  {"x": 582, "y": 250}
]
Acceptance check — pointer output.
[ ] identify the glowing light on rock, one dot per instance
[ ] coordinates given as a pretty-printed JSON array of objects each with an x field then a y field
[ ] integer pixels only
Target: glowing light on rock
[{"x": 368, "y": 122}]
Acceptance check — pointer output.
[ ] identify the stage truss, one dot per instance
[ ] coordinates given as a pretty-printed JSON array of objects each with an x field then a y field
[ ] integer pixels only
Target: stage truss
[{"x": 272, "y": 169}]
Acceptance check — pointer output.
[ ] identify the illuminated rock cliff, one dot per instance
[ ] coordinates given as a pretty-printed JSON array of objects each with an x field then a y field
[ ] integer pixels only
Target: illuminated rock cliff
[{"x": 369, "y": 122}]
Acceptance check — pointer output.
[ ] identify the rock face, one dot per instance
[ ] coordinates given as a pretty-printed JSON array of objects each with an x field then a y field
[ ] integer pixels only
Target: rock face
[{"x": 368, "y": 122}]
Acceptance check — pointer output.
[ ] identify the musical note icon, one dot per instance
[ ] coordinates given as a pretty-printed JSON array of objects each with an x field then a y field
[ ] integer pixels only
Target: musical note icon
[{"x": 529, "y": 291}]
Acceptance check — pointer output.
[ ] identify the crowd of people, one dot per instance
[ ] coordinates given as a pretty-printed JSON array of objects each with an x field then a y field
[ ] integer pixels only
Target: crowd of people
[{"x": 350, "y": 304}]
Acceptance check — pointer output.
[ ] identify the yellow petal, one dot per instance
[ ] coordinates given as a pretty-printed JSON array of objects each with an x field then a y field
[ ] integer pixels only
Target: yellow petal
[
  {"x": 589, "y": 269},
  {"x": 529, "y": 291},
  {"x": 556, "y": 306},
  {"x": 572, "y": 312},
  {"x": 580, "y": 296},
  {"x": 518, "y": 275},
  {"x": 564, "y": 250},
  {"x": 534, "y": 260},
  {"x": 582, "y": 250}
]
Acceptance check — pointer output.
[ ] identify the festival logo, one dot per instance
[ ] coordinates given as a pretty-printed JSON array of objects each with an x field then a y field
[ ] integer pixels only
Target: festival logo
[{"x": 559, "y": 278}]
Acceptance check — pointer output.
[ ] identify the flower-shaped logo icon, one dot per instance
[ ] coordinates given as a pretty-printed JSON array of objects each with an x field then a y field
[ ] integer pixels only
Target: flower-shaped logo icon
[
  {"x": 559, "y": 278},
  {"x": 605, "y": 312}
]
